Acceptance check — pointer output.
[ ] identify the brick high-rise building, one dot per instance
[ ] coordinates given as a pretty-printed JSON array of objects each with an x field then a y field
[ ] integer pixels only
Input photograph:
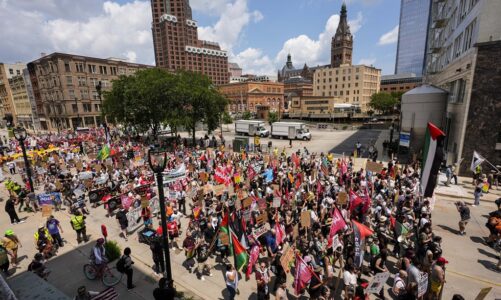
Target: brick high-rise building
[
  {"x": 342, "y": 42},
  {"x": 176, "y": 42}
]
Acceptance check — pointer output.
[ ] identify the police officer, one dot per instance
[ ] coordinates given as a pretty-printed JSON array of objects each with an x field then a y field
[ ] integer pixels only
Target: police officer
[{"x": 78, "y": 223}]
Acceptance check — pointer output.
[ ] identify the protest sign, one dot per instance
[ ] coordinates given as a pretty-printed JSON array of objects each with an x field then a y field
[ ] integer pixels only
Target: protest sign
[
  {"x": 46, "y": 210},
  {"x": 261, "y": 202},
  {"x": 262, "y": 218},
  {"x": 374, "y": 167},
  {"x": 377, "y": 282},
  {"x": 422, "y": 284},
  {"x": 483, "y": 293},
  {"x": 295, "y": 231},
  {"x": 257, "y": 232},
  {"x": 59, "y": 185},
  {"x": 208, "y": 189},
  {"x": 219, "y": 189},
  {"x": 49, "y": 198},
  {"x": 246, "y": 202},
  {"x": 79, "y": 166},
  {"x": 225, "y": 239},
  {"x": 336, "y": 243},
  {"x": 287, "y": 258},
  {"x": 204, "y": 177},
  {"x": 306, "y": 218},
  {"x": 133, "y": 218},
  {"x": 241, "y": 194},
  {"x": 342, "y": 198},
  {"x": 277, "y": 202}
]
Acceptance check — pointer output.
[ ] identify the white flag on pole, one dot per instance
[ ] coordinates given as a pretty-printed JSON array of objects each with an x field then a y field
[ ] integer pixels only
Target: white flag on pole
[{"x": 476, "y": 160}]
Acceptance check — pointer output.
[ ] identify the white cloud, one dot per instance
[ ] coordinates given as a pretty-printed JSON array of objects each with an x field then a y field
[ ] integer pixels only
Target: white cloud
[
  {"x": 211, "y": 7},
  {"x": 390, "y": 37},
  {"x": 254, "y": 61},
  {"x": 109, "y": 30},
  {"x": 314, "y": 51},
  {"x": 367, "y": 61},
  {"x": 232, "y": 21}
]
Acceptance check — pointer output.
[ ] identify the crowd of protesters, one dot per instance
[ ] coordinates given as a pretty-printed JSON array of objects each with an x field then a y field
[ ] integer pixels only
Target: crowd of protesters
[{"x": 325, "y": 225}]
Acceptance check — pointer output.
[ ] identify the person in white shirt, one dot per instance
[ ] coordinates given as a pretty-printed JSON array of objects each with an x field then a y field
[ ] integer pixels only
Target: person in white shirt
[
  {"x": 231, "y": 281},
  {"x": 350, "y": 281}
]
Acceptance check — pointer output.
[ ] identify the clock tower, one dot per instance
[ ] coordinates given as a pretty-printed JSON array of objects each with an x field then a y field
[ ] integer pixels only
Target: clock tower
[{"x": 342, "y": 42}]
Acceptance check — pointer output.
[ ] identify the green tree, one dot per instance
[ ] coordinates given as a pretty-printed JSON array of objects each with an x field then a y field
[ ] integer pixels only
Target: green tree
[
  {"x": 246, "y": 115},
  {"x": 199, "y": 100},
  {"x": 226, "y": 119},
  {"x": 142, "y": 100},
  {"x": 383, "y": 102},
  {"x": 272, "y": 117}
]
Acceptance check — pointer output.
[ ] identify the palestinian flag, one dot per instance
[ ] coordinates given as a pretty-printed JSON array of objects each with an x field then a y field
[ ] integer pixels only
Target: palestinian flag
[
  {"x": 476, "y": 161},
  {"x": 224, "y": 226},
  {"x": 400, "y": 229},
  {"x": 433, "y": 155},
  {"x": 239, "y": 252},
  {"x": 237, "y": 226},
  {"x": 104, "y": 153},
  {"x": 360, "y": 232}
]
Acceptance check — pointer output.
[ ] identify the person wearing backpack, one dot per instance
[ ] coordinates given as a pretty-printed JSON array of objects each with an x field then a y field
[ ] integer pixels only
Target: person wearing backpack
[{"x": 127, "y": 262}]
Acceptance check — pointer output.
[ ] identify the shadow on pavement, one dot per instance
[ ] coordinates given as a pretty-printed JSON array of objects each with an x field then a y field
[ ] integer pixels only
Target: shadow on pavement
[
  {"x": 452, "y": 230},
  {"x": 67, "y": 276},
  {"x": 482, "y": 251},
  {"x": 366, "y": 137},
  {"x": 477, "y": 240},
  {"x": 489, "y": 265}
]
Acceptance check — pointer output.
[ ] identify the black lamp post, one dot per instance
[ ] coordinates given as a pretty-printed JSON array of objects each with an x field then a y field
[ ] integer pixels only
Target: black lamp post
[
  {"x": 157, "y": 159},
  {"x": 20, "y": 134},
  {"x": 78, "y": 115},
  {"x": 99, "y": 89}
]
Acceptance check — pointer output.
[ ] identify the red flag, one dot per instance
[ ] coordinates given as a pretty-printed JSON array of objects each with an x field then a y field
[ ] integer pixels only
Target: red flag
[
  {"x": 303, "y": 275},
  {"x": 250, "y": 172},
  {"x": 367, "y": 201},
  {"x": 279, "y": 233},
  {"x": 364, "y": 230},
  {"x": 355, "y": 200},
  {"x": 338, "y": 222},
  {"x": 254, "y": 255}
]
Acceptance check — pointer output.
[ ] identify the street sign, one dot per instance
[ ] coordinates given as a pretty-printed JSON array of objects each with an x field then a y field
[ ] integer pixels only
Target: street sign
[{"x": 405, "y": 139}]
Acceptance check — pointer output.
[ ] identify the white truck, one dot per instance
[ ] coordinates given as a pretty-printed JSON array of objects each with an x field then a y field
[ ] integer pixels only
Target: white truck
[
  {"x": 290, "y": 130},
  {"x": 251, "y": 127}
]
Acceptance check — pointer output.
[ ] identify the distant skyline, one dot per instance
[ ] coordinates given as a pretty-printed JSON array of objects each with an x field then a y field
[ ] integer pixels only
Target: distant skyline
[{"x": 257, "y": 34}]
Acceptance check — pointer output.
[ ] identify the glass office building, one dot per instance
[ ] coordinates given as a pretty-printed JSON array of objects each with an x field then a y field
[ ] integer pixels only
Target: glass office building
[{"x": 412, "y": 36}]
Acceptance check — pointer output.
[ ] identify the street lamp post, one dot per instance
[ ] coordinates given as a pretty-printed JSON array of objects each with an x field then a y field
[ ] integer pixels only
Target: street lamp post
[
  {"x": 99, "y": 88},
  {"x": 157, "y": 159},
  {"x": 20, "y": 134}
]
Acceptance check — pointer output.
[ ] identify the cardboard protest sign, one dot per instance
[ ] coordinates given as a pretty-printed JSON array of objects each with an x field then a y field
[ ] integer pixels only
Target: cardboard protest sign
[
  {"x": 246, "y": 202},
  {"x": 377, "y": 282},
  {"x": 262, "y": 218},
  {"x": 204, "y": 177},
  {"x": 219, "y": 189},
  {"x": 46, "y": 210},
  {"x": 59, "y": 185},
  {"x": 483, "y": 293},
  {"x": 277, "y": 202},
  {"x": 97, "y": 167},
  {"x": 306, "y": 218},
  {"x": 295, "y": 231},
  {"x": 241, "y": 194},
  {"x": 224, "y": 238},
  {"x": 374, "y": 167},
  {"x": 144, "y": 201},
  {"x": 79, "y": 166},
  {"x": 342, "y": 198},
  {"x": 287, "y": 258}
]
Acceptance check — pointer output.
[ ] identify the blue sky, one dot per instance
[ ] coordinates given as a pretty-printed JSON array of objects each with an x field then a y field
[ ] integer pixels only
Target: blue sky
[{"x": 258, "y": 34}]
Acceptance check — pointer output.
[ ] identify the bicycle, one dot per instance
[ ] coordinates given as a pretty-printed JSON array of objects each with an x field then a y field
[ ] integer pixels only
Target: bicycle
[{"x": 109, "y": 276}]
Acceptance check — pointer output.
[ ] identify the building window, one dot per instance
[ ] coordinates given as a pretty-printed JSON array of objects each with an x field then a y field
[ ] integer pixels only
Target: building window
[
  {"x": 75, "y": 108},
  {"x": 69, "y": 80},
  {"x": 103, "y": 70},
  {"x": 87, "y": 107},
  {"x": 11, "y": 71},
  {"x": 71, "y": 94},
  {"x": 113, "y": 70},
  {"x": 67, "y": 67},
  {"x": 80, "y": 67},
  {"x": 96, "y": 107},
  {"x": 92, "y": 69}
]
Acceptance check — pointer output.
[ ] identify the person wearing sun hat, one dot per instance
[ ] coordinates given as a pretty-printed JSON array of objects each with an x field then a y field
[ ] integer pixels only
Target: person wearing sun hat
[
  {"x": 438, "y": 276},
  {"x": 11, "y": 242}
]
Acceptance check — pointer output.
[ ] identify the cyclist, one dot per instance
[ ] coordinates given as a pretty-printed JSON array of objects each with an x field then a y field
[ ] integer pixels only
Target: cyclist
[{"x": 98, "y": 255}]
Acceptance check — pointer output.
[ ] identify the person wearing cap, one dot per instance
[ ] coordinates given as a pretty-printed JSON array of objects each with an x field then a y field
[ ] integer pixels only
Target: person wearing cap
[
  {"x": 77, "y": 222},
  {"x": 38, "y": 267},
  {"x": 11, "y": 242},
  {"x": 399, "y": 289},
  {"x": 43, "y": 241},
  {"x": 437, "y": 277}
]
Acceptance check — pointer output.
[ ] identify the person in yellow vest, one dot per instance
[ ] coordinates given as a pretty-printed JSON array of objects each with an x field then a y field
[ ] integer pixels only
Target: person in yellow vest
[
  {"x": 78, "y": 223},
  {"x": 44, "y": 241}
]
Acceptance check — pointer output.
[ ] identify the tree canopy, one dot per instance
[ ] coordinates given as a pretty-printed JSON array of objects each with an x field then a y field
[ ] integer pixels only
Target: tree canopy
[
  {"x": 154, "y": 96},
  {"x": 383, "y": 102}
]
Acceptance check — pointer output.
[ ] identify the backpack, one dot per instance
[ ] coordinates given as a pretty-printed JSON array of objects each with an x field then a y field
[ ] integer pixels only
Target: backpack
[{"x": 121, "y": 264}]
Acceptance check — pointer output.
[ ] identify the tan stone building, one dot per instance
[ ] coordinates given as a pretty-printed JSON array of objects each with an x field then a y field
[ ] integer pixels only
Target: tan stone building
[
  {"x": 353, "y": 84},
  {"x": 247, "y": 96},
  {"x": 23, "y": 109},
  {"x": 400, "y": 82},
  {"x": 64, "y": 87},
  {"x": 312, "y": 107},
  {"x": 7, "y": 72}
]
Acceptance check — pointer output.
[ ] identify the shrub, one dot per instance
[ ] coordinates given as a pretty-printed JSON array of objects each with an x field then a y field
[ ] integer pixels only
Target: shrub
[{"x": 113, "y": 251}]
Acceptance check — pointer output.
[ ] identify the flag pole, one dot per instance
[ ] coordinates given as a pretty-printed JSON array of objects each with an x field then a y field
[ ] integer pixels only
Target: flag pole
[{"x": 492, "y": 165}]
